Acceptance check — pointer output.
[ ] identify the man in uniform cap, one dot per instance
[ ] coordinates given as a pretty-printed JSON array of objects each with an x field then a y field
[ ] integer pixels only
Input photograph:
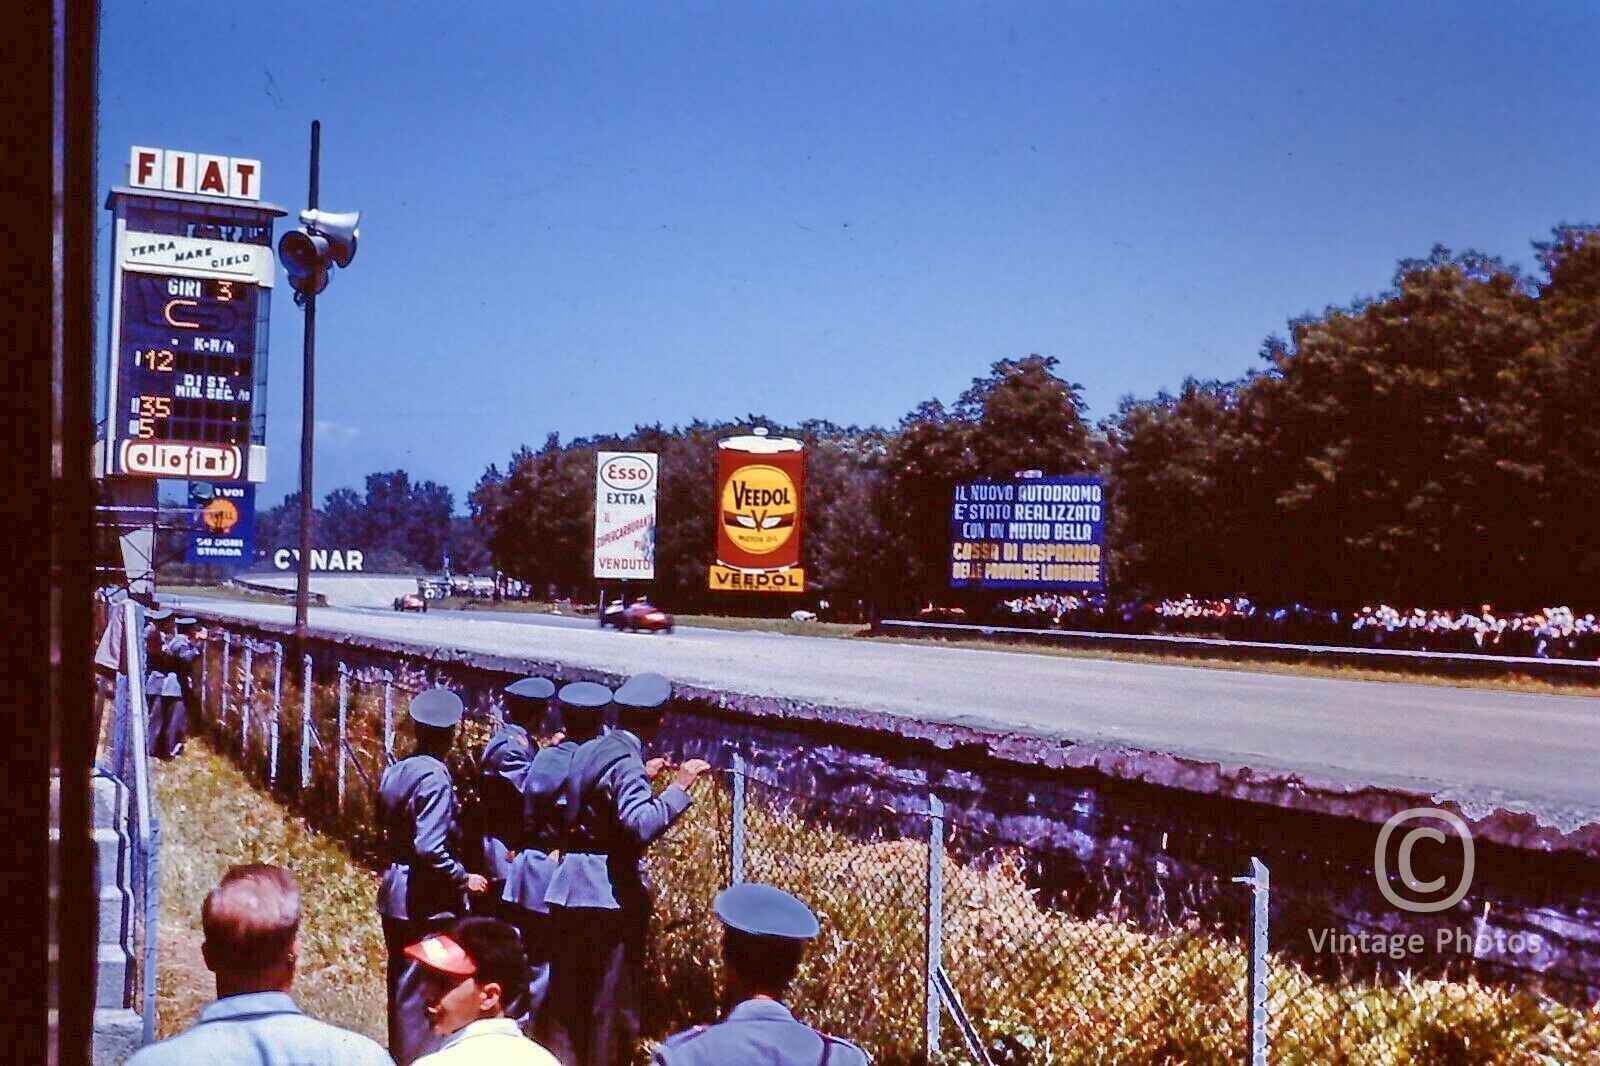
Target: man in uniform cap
[
  {"x": 599, "y": 905},
  {"x": 157, "y": 666},
  {"x": 177, "y": 689},
  {"x": 765, "y": 930},
  {"x": 501, "y": 768},
  {"x": 425, "y": 885},
  {"x": 641, "y": 704},
  {"x": 468, "y": 974},
  {"x": 519, "y": 853}
]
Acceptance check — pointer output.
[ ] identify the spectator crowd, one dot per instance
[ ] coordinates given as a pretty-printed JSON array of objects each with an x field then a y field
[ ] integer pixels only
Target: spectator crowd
[{"x": 1556, "y": 632}]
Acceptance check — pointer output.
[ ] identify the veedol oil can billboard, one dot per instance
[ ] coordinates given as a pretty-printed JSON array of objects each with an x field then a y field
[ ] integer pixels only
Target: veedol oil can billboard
[{"x": 759, "y": 514}]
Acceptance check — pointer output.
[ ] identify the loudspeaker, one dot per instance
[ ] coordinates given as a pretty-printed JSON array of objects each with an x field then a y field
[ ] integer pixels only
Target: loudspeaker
[{"x": 339, "y": 227}]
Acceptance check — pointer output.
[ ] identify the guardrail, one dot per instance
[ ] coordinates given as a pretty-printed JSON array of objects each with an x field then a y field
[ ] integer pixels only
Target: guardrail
[
  {"x": 129, "y": 761},
  {"x": 1582, "y": 671}
]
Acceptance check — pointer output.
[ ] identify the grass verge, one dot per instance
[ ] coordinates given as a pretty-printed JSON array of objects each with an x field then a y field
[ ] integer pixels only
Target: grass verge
[
  {"x": 212, "y": 818},
  {"x": 218, "y": 592}
]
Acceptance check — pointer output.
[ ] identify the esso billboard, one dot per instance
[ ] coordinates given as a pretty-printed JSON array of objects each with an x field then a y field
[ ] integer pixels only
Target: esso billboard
[
  {"x": 626, "y": 472},
  {"x": 625, "y": 515}
]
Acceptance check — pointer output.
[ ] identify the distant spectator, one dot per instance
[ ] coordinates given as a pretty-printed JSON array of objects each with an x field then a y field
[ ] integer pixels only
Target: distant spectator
[
  {"x": 252, "y": 923},
  {"x": 470, "y": 971}
]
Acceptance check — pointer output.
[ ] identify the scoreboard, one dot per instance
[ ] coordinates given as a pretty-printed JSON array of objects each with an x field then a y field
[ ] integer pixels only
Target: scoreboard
[
  {"x": 187, "y": 360},
  {"x": 183, "y": 390}
]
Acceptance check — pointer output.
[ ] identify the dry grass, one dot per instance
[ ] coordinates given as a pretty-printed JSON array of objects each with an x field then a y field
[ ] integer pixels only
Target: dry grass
[
  {"x": 1047, "y": 988},
  {"x": 212, "y": 818}
]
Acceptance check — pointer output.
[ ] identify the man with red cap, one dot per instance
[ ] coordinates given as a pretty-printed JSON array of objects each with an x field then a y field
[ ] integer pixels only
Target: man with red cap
[{"x": 468, "y": 973}]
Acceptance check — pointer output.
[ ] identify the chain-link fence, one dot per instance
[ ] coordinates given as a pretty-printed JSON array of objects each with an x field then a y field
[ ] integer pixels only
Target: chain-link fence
[{"x": 950, "y": 936}]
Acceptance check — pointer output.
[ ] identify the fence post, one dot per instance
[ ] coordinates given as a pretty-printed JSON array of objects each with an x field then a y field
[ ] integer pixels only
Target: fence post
[
  {"x": 248, "y": 662},
  {"x": 1260, "y": 889},
  {"x": 736, "y": 875},
  {"x": 344, "y": 710},
  {"x": 306, "y": 725},
  {"x": 388, "y": 717},
  {"x": 935, "y": 928},
  {"x": 227, "y": 660},
  {"x": 277, "y": 713},
  {"x": 205, "y": 675}
]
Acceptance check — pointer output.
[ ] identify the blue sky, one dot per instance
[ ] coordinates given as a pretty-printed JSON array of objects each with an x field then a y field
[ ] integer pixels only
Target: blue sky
[{"x": 579, "y": 217}]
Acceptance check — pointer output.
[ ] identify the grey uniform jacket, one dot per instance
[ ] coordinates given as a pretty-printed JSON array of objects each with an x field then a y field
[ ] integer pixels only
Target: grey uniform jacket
[
  {"x": 543, "y": 828},
  {"x": 616, "y": 817},
  {"x": 500, "y": 771},
  {"x": 757, "y": 1031},
  {"x": 417, "y": 816}
]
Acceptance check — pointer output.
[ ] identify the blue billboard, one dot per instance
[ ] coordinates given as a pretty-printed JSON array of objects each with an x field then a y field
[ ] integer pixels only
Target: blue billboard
[
  {"x": 225, "y": 519},
  {"x": 1033, "y": 533}
]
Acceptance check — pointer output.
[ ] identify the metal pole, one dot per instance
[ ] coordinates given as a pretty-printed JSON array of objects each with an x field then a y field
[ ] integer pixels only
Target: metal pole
[
  {"x": 227, "y": 661},
  {"x": 1260, "y": 887},
  {"x": 344, "y": 705},
  {"x": 306, "y": 725},
  {"x": 277, "y": 712},
  {"x": 205, "y": 675},
  {"x": 935, "y": 926},
  {"x": 302, "y": 577},
  {"x": 736, "y": 875},
  {"x": 249, "y": 698},
  {"x": 388, "y": 716}
]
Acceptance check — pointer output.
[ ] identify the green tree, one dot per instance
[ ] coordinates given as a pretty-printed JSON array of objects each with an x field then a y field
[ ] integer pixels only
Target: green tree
[
  {"x": 1385, "y": 455},
  {"x": 1175, "y": 488}
]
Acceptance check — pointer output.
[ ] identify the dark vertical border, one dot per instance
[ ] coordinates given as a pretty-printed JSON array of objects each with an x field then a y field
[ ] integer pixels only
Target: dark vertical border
[
  {"x": 47, "y": 157},
  {"x": 25, "y": 384}
]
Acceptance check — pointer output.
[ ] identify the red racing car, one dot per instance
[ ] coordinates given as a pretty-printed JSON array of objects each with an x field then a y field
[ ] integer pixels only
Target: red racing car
[{"x": 641, "y": 614}]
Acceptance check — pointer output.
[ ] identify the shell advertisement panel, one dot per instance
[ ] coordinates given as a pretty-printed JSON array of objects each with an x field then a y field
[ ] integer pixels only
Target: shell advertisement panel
[{"x": 759, "y": 514}]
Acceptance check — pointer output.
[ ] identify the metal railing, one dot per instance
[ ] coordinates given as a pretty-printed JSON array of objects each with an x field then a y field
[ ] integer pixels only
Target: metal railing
[{"x": 128, "y": 762}]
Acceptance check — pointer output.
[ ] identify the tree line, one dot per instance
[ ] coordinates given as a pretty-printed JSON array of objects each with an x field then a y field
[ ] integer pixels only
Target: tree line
[
  {"x": 1437, "y": 444},
  {"x": 399, "y": 525}
]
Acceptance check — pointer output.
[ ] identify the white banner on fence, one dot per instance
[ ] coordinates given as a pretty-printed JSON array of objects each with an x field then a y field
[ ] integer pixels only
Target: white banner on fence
[{"x": 625, "y": 515}]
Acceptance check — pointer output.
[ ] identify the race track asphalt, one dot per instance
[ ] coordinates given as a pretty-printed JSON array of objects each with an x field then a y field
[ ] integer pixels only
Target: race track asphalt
[{"x": 1482, "y": 748}]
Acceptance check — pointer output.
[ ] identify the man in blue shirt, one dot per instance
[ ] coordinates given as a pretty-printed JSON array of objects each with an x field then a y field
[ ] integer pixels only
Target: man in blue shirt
[
  {"x": 252, "y": 922},
  {"x": 765, "y": 930}
]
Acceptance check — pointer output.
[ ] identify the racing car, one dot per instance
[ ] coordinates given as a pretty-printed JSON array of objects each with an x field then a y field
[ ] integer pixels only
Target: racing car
[
  {"x": 641, "y": 614},
  {"x": 411, "y": 601}
]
